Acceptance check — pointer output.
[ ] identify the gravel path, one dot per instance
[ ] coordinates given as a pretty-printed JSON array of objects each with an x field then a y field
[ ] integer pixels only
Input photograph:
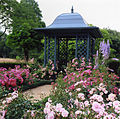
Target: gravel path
[{"x": 39, "y": 92}]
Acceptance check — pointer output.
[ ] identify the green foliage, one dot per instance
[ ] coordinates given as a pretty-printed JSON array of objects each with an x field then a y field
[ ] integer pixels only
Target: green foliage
[
  {"x": 4, "y": 50},
  {"x": 22, "y": 35},
  {"x": 114, "y": 65},
  {"x": 35, "y": 84},
  {"x": 26, "y": 16},
  {"x": 115, "y": 37},
  {"x": 18, "y": 58},
  {"x": 3, "y": 92},
  {"x": 71, "y": 50},
  {"x": 11, "y": 65},
  {"x": 6, "y": 10},
  {"x": 106, "y": 37},
  {"x": 17, "y": 108},
  {"x": 59, "y": 94},
  {"x": 43, "y": 73}
]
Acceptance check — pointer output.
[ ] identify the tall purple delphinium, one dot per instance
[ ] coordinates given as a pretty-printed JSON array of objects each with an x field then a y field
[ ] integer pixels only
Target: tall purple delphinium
[{"x": 105, "y": 50}]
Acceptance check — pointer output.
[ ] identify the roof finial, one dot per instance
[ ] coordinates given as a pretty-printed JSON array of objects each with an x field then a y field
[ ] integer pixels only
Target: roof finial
[{"x": 72, "y": 10}]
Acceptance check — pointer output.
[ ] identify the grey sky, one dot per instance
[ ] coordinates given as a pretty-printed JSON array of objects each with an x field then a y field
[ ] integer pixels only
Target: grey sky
[{"x": 101, "y": 13}]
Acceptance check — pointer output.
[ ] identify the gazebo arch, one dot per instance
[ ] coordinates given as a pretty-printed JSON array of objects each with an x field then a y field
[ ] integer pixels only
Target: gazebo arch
[{"x": 67, "y": 27}]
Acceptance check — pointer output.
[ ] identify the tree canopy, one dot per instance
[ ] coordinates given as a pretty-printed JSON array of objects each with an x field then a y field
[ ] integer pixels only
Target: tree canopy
[{"x": 25, "y": 17}]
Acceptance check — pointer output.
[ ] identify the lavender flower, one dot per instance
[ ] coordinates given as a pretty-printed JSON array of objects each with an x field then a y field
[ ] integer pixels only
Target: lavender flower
[{"x": 105, "y": 50}]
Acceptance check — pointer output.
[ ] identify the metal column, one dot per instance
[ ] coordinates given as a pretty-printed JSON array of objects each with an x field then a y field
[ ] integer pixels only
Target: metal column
[
  {"x": 76, "y": 50},
  {"x": 88, "y": 48},
  {"x": 45, "y": 51},
  {"x": 55, "y": 52}
]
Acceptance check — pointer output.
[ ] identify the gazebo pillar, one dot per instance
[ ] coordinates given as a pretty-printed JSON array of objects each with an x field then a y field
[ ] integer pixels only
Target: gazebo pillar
[
  {"x": 45, "y": 51},
  {"x": 48, "y": 48},
  {"x": 55, "y": 51},
  {"x": 88, "y": 48},
  {"x": 76, "y": 50}
]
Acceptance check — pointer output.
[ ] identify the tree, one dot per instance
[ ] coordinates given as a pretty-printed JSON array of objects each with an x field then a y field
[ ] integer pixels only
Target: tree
[
  {"x": 6, "y": 10},
  {"x": 115, "y": 37},
  {"x": 25, "y": 17},
  {"x": 4, "y": 50},
  {"x": 21, "y": 38}
]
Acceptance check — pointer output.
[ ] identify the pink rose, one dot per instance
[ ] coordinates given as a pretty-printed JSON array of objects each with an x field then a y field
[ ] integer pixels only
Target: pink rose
[
  {"x": 64, "y": 112},
  {"x": 58, "y": 107},
  {"x": 86, "y": 103},
  {"x": 116, "y": 103},
  {"x": 97, "y": 107},
  {"x": 51, "y": 115},
  {"x": 81, "y": 96},
  {"x": 46, "y": 110},
  {"x": 111, "y": 97},
  {"x": 78, "y": 112}
]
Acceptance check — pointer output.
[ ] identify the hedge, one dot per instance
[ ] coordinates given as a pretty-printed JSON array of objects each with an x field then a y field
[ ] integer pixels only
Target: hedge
[{"x": 11, "y": 65}]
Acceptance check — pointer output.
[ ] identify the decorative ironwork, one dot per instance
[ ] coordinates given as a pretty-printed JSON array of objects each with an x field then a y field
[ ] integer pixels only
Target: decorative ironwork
[
  {"x": 63, "y": 51},
  {"x": 50, "y": 50},
  {"x": 57, "y": 49},
  {"x": 82, "y": 46}
]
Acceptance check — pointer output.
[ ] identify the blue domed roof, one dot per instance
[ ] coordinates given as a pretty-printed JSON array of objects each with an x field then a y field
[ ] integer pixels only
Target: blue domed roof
[
  {"x": 70, "y": 24},
  {"x": 69, "y": 20}
]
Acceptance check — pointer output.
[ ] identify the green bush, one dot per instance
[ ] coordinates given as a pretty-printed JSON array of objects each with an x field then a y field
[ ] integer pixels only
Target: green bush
[
  {"x": 36, "y": 84},
  {"x": 17, "y": 108},
  {"x": 18, "y": 58},
  {"x": 3, "y": 92},
  {"x": 114, "y": 65},
  {"x": 11, "y": 65}
]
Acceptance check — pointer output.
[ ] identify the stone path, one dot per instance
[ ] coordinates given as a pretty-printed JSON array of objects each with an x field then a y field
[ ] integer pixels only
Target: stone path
[{"x": 39, "y": 92}]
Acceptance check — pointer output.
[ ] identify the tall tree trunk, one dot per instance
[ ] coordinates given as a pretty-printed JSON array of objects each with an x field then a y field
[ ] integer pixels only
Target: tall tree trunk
[{"x": 26, "y": 54}]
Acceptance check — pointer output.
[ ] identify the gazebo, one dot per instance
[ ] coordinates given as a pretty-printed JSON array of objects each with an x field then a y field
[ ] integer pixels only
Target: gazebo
[{"x": 67, "y": 29}]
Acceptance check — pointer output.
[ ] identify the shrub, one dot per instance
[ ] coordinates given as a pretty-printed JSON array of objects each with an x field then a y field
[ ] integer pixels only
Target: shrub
[
  {"x": 11, "y": 65},
  {"x": 15, "y": 105},
  {"x": 15, "y": 78},
  {"x": 44, "y": 73},
  {"x": 114, "y": 65},
  {"x": 84, "y": 93}
]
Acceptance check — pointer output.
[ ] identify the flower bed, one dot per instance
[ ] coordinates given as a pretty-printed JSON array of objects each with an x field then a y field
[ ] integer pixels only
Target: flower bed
[
  {"x": 81, "y": 93},
  {"x": 21, "y": 79}
]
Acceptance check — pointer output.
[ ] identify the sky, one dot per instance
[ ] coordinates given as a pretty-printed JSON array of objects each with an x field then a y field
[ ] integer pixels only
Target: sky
[{"x": 100, "y": 13}]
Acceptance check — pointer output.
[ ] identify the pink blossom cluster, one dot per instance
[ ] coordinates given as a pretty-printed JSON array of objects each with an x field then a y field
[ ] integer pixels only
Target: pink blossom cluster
[
  {"x": 96, "y": 106},
  {"x": 46, "y": 72},
  {"x": 14, "y": 78},
  {"x": 88, "y": 77},
  {"x": 5, "y": 102},
  {"x": 52, "y": 112}
]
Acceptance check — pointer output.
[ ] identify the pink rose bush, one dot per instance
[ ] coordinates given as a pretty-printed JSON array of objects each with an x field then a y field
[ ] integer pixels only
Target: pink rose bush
[
  {"x": 99, "y": 104},
  {"x": 14, "y": 78},
  {"x": 54, "y": 111},
  {"x": 45, "y": 73},
  {"x": 6, "y": 101},
  {"x": 89, "y": 93},
  {"x": 82, "y": 92}
]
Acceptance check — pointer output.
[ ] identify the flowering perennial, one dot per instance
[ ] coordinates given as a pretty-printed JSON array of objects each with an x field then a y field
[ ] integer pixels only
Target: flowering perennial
[{"x": 14, "y": 78}]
